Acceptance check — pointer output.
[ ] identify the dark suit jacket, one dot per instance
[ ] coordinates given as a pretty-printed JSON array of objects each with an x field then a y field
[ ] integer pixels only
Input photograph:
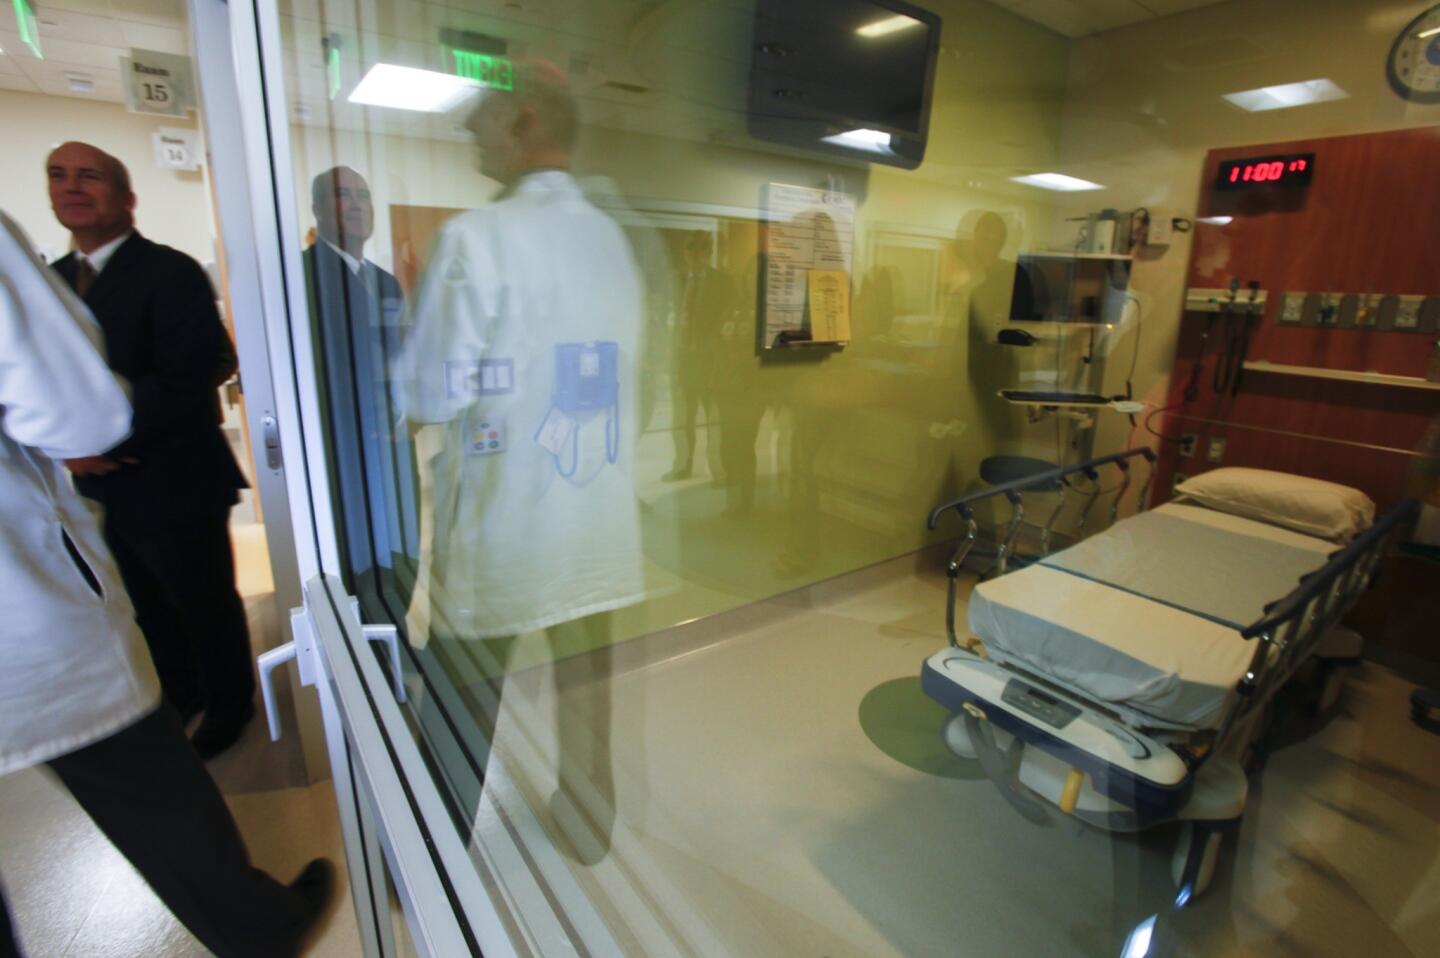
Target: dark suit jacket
[
  {"x": 706, "y": 304},
  {"x": 164, "y": 335},
  {"x": 358, "y": 324}
]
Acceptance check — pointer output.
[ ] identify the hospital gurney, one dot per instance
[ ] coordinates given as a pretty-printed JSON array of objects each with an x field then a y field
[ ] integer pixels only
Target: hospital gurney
[{"x": 1124, "y": 679}]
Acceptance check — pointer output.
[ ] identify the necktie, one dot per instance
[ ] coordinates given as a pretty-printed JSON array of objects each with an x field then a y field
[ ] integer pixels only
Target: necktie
[{"x": 84, "y": 276}]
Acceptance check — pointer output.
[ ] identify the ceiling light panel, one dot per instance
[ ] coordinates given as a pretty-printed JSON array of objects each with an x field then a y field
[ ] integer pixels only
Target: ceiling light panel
[
  {"x": 1286, "y": 95},
  {"x": 1057, "y": 181},
  {"x": 408, "y": 88}
]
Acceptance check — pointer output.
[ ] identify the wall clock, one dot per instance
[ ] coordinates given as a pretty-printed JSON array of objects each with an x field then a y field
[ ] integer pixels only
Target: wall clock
[{"x": 1414, "y": 63}]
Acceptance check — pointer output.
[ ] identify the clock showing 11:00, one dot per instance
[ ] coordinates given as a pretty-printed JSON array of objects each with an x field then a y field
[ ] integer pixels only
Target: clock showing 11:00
[{"x": 1414, "y": 64}]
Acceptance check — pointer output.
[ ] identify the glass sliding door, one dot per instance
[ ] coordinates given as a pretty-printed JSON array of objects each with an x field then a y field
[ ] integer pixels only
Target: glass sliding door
[{"x": 632, "y": 343}]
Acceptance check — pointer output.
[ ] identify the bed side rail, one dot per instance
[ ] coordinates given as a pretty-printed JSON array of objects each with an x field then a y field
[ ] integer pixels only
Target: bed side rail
[
  {"x": 1012, "y": 491},
  {"x": 1090, "y": 467},
  {"x": 1336, "y": 581},
  {"x": 1291, "y": 626}
]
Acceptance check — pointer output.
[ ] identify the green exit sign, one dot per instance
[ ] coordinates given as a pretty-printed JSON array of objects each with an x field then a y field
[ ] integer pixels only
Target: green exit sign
[
  {"x": 29, "y": 30},
  {"x": 485, "y": 69}
]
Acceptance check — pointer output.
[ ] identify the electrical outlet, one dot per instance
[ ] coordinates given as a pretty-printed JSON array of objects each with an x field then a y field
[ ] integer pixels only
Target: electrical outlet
[
  {"x": 1329, "y": 309},
  {"x": 1407, "y": 312},
  {"x": 1161, "y": 229},
  {"x": 1367, "y": 313},
  {"x": 1292, "y": 309},
  {"x": 1215, "y": 452},
  {"x": 1188, "y": 441}
]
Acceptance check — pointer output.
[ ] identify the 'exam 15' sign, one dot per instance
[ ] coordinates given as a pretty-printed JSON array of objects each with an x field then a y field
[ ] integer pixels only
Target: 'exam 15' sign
[{"x": 487, "y": 70}]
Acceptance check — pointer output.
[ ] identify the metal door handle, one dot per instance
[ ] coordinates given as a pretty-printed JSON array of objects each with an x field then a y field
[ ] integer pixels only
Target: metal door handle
[
  {"x": 268, "y": 662},
  {"x": 391, "y": 637},
  {"x": 301, "y": 650}
]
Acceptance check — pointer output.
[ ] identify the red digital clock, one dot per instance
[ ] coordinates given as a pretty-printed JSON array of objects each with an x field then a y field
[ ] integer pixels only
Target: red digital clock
[{"x": 1292, "y": 170}]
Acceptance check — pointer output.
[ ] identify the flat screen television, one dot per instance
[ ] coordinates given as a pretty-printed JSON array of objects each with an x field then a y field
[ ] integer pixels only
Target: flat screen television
[{"x": 849, "y": 78}]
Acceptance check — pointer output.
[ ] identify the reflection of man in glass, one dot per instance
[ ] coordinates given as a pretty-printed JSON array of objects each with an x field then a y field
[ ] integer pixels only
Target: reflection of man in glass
[
  {"x": 357, "y": 308},
  {"x": 707, "y": 300},
  {"x": 527, "y": 331},
  {"x": 985, "y": 287}
]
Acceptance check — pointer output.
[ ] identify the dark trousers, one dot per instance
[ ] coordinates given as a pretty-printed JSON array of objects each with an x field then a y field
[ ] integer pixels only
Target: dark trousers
[
  {"x": 182, "y": 582},
  {"x": 148, "y": 792},
  {"x": 687, "y": 400}
]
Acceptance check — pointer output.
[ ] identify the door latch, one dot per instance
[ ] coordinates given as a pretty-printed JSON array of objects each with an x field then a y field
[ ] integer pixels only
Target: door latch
[{"x": 270, "y": 431}]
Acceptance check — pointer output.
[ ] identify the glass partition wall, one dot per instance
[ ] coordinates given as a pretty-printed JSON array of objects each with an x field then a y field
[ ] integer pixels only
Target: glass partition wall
[{"x": 647, "y": 333}]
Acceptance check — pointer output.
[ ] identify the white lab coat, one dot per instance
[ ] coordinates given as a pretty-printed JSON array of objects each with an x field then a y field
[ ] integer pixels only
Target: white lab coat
[
  {"x": 518, "y": 546},
  {"x": 73, "y": 665}
]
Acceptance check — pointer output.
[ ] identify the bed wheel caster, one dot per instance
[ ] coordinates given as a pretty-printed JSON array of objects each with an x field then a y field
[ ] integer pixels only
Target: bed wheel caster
[{"x": 1193, "y": 864}]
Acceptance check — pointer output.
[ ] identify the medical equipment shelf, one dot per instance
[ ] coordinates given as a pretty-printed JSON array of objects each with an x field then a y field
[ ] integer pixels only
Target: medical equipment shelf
[
  {"x": 1347, "y": 375},
  {"x": 1077, "y": 401},
  {"x": 1058, "y": 326}
]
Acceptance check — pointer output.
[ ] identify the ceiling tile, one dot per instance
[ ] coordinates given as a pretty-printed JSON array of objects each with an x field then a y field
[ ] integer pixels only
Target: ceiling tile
[
  {"x": 107, "y": 85},
  {"x": 8, "y": 64},
  {"x": 80, "y": 54},
  {"x": 163, "y": 13},
  {"x": 1080, "y": 18},
  {"x": 99, "y": 8},
  {"x": 144, "y": 36},
  {"x": 76, "y": 27},
  {"x": 1165, "y": 8},
  {"x": 20, "y": 84}
]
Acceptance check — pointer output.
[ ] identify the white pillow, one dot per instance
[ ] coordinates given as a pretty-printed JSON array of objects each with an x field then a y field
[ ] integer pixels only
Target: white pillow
[{"x": 1312, "y": 506}]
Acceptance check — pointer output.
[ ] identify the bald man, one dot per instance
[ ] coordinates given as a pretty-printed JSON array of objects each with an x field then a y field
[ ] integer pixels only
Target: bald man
[
  {"x": 168, "y": 488},
  {"x": 358, "y": 312}
]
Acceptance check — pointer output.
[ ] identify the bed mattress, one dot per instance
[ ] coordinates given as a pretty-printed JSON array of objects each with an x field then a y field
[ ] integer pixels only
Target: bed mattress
[{"x": 1147, "y": 613}]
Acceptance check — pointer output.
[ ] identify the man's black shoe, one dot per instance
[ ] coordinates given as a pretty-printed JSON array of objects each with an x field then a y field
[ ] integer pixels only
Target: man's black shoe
[{"x": 316, "y": 885}]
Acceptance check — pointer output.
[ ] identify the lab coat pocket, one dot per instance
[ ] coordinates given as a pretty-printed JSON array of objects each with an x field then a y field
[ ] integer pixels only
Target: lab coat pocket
[{"x": 87, "y": 572}]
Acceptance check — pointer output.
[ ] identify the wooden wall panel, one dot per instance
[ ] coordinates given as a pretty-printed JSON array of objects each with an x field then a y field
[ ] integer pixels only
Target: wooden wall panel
[{"x": 1366, "y": 224}]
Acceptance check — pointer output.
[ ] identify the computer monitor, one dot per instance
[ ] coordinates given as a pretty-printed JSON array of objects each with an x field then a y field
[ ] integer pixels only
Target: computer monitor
[{"x": 1068, "y": 288}]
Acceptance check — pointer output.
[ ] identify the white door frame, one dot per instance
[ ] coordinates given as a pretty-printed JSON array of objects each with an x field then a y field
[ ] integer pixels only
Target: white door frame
[{"x": 268, "y": 403}]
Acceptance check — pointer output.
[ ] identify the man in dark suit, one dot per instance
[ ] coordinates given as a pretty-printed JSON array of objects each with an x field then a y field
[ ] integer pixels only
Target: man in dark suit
[
  {"x": 167, "y": 489},
  {"x": 707, "y": 302},
  {"x": 358, "y": 312}
]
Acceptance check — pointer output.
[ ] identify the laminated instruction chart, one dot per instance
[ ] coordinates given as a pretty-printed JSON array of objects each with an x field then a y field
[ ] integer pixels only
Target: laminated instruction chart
[{"x": 809, "y": 251}]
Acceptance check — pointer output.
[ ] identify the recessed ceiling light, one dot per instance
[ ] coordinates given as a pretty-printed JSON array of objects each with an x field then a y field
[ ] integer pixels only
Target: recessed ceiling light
[
  {"x": 889, "y": 25},
  {"x": 80, "y": 83},
  {"x": 1057, "y": 181},
  {"x": 407, "y": 88},
  {"x": 1286, "y": 95}
]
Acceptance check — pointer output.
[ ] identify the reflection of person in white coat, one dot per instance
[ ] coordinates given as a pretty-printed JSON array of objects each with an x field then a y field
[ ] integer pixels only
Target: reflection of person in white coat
[
  {"x": 77, "y": 688},
  {"x": 525, "y": 344},
  {"x": 525, "y": 338}
]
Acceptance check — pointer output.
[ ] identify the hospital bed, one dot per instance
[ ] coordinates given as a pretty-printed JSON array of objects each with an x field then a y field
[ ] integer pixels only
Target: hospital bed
[{"x": 1126, "y": 678}]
